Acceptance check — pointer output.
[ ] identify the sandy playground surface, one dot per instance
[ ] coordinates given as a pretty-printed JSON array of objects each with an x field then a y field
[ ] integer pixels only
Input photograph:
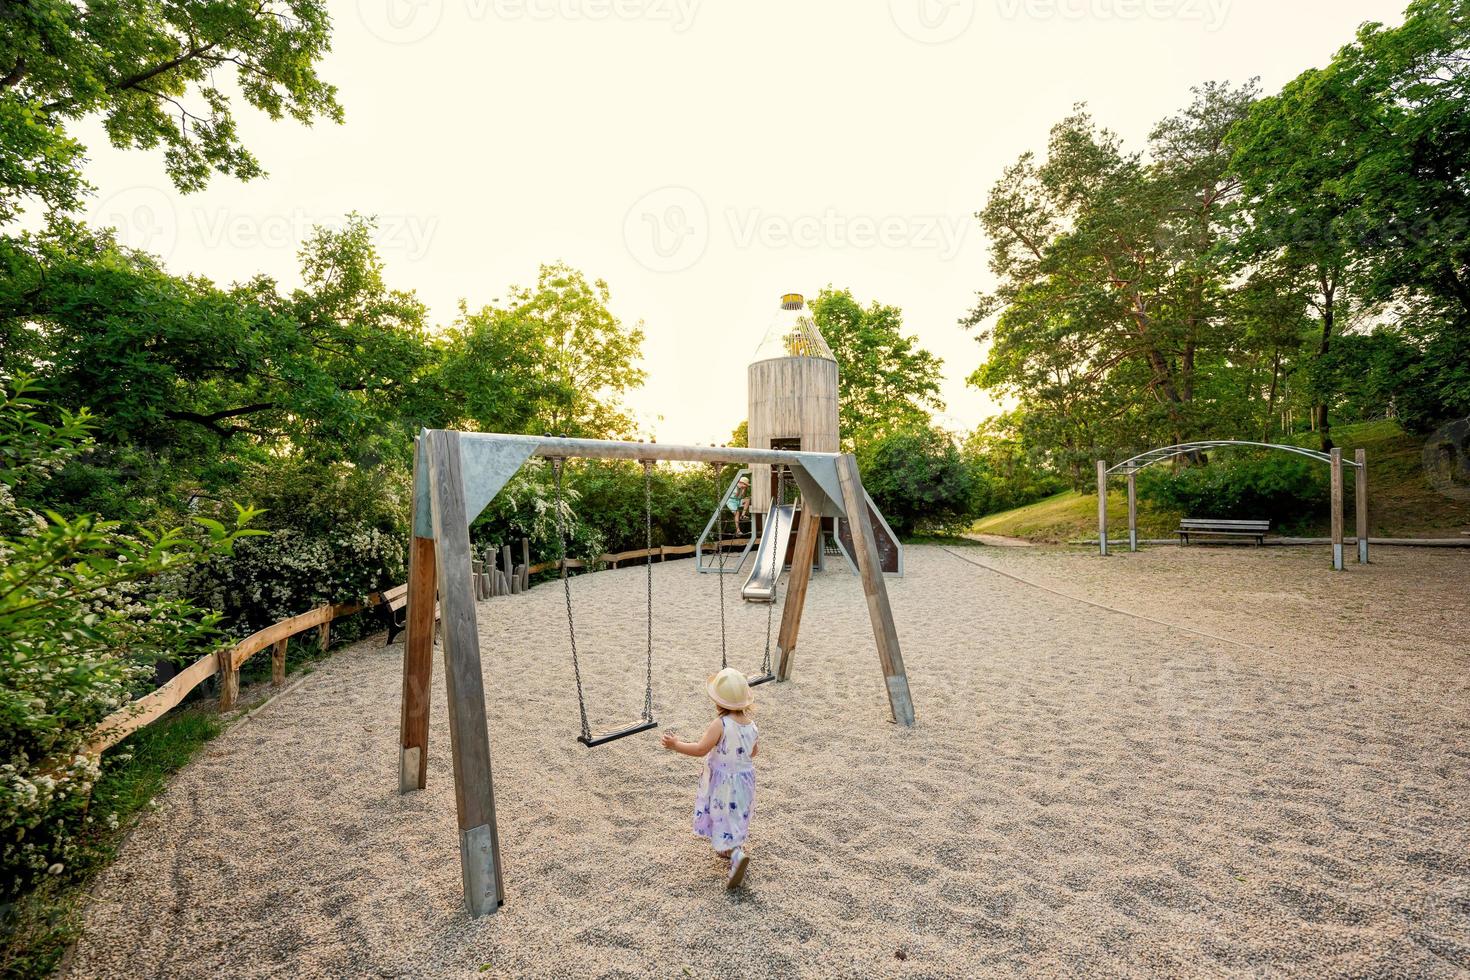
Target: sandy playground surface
[{"x": 1086, "y": 792}]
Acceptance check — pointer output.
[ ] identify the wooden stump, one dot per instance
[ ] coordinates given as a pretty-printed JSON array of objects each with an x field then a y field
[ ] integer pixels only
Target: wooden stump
[
  {"x": 278, "y": 662},
  {"x": 229, "y": 679}
]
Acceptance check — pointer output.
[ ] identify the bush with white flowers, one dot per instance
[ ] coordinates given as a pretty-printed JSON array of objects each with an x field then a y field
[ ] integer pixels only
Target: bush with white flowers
[{"x": 82, "y": 621}]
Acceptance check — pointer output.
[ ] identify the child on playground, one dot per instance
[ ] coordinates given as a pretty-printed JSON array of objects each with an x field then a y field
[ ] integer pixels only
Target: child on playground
[{"x": 726, "y": 795}]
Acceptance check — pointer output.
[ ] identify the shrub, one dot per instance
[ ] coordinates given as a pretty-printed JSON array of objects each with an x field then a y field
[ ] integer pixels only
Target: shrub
[
  {"x": 338, "y": 533},
  {"x": 82, "y": 622},
  {"x": 918, "y": 480},
  {"x": 1289, "y": 491},
  {"x": 603, "y": 504}
]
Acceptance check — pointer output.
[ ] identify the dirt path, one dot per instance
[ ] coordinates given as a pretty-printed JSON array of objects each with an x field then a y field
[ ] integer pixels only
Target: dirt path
[{"x": 1086, "y": 791}]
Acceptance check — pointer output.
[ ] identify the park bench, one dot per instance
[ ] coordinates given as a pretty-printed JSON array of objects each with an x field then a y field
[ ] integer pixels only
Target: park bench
[
  {"x": 393, "y": 610},
  {"x": 1192, "y": 526}
]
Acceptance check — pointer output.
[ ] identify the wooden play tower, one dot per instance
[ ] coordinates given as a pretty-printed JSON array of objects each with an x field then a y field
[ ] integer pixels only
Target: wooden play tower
[
  {"x": 792, "y": 393},
  {"x": 792, "y": 399}
]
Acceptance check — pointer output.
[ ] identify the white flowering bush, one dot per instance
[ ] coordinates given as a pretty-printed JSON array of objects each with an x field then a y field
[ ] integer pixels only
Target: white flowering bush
[
  {"x": 81, "y": 624},
  {"x": 338, "y": 532}
]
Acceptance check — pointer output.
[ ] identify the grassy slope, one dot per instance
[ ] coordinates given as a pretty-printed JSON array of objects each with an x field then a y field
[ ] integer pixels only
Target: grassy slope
[{"x": 1401, "y": 502}]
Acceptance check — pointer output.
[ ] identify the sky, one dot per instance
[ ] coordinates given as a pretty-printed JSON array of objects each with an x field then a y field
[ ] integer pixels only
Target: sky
[{"x": 703, "y": 156}]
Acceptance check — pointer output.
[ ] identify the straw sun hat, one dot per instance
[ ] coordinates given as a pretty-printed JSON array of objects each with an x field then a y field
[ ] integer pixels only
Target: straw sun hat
[{"x": 730, "y": 690}]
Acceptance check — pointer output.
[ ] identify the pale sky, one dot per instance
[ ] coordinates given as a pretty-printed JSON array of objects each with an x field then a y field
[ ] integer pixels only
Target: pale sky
[{"x": 703, "y": 156}]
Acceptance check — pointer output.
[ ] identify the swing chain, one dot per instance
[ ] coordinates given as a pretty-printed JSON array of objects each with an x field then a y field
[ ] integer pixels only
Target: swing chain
[
  {"x": 719, "y": 469},
  {"x": 776, "y": 563},
  {"x": 648, "y": 562},
  {"x": 561, "y": 541}
]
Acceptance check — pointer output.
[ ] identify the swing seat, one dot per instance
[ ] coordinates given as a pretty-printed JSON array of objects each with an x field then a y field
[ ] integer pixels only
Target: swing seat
[
  {"x": 593, "y": 741},
  {"x": 757, "y": 679}
]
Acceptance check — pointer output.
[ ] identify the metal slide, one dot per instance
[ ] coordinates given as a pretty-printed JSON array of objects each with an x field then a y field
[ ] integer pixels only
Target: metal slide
[{"x": 761, "y": 585}]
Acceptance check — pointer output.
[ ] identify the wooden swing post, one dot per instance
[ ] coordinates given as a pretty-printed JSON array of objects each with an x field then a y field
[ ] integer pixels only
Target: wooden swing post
[
  {"x": 418, "y": 653},
  {"x": 865, "y": 546},
  {"x": 807, "y": 536},
  {"x": 469, "y": 735}
]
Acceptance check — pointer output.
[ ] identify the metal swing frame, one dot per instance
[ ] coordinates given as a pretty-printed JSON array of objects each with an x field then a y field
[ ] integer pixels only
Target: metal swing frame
[{"x": 455, "y": 476}]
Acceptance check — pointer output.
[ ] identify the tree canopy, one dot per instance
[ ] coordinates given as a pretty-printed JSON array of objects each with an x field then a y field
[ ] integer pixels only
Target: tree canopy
[
  {"x": 151, "y": 69},
  {"x": 886, "y": 381}
]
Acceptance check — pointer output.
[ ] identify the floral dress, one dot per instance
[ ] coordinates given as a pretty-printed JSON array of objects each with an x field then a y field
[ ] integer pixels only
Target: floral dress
[{"x": 727, "y": 788}]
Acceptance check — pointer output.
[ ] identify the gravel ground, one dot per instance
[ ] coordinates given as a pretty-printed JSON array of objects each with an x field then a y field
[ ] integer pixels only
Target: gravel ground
[{"x": 1284, "y": 790}]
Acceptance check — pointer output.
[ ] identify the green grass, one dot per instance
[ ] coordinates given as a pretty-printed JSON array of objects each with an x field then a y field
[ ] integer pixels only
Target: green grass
[
  {"x": 1401, "y": 503},
  {"x": 1072, "y": 516},
  {"x": 41, "y": 925}
]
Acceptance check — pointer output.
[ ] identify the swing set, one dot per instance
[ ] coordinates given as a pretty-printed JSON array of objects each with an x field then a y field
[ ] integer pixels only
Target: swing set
[
  {"x": 646, "y": 720},
  {"x": 455, "y": 476}
]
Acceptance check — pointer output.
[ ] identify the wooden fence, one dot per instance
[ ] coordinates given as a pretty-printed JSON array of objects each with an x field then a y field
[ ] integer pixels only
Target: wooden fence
[{"x": 227, "y": 662}]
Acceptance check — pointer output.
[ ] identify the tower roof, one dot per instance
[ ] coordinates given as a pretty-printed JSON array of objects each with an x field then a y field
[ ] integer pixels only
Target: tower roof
[{"x": 793, "y": 333}]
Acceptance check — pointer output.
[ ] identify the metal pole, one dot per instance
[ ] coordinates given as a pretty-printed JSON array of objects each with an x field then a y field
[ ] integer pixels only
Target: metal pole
[
  {"x": 1132, "y": 512},
  {"x": 1336, "y": 464},
  {"x": 1360, "y": 500},
  {"x": 1102, "y": 507}
]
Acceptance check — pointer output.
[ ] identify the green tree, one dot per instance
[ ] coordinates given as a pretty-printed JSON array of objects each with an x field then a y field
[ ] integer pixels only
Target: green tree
[
  {"x": 151, "y": 70},
  {"x": 554, "y": 359},
  {"x": 886, "y": 381},
  {"x": 918, "y": 479},
  {"x": 193, "y": 371},
  {"x": 1111, "y": 274}
]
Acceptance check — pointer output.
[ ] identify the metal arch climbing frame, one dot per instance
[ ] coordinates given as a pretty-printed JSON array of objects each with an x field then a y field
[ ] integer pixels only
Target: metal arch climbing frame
[
  {"x": 456, "y": 475},
  {"x": 1130, "y": 468},
  {"x": 1153, "y": 456}
]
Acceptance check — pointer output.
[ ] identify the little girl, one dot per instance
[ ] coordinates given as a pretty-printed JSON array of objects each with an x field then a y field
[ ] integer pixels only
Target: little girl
[{"x": 727, "y": 787}]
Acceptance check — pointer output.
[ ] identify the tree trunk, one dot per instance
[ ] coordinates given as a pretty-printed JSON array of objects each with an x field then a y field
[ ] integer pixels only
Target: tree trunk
[
  {"x": 1271, "y": 398},
  {"x": 1322, "y": 424}
]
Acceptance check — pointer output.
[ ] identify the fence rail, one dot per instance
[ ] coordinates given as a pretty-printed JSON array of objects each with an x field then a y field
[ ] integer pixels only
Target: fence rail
[{"x": 227, "y": 662}]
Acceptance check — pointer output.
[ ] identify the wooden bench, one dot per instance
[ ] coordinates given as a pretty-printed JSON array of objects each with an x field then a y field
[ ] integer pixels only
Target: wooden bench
[
  {"x": 393, "y": 610},
  {"x": 1190, "y": 526}
]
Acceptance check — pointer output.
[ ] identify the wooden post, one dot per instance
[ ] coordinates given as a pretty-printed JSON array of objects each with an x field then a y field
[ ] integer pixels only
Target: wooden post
[
  {"x": 1132, "y": 511},
  {"x": 1336, "y": 458},
  {"x": 1102, "y": 507},
  {"x": 469, "y": 736},
  {"x": 506, "y": 566},
  {"x": 807, "y": 536},
  {"x": 418, "y": 656},
  {"x": 526, "y": 563},
  {"x": 229, "y": 679},
  {"x": 278, "y": 662},
  {"x": 865, "y": 548},
  {"x": 324, "y": 637},
  {"x": 1360, "y": 502}
]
